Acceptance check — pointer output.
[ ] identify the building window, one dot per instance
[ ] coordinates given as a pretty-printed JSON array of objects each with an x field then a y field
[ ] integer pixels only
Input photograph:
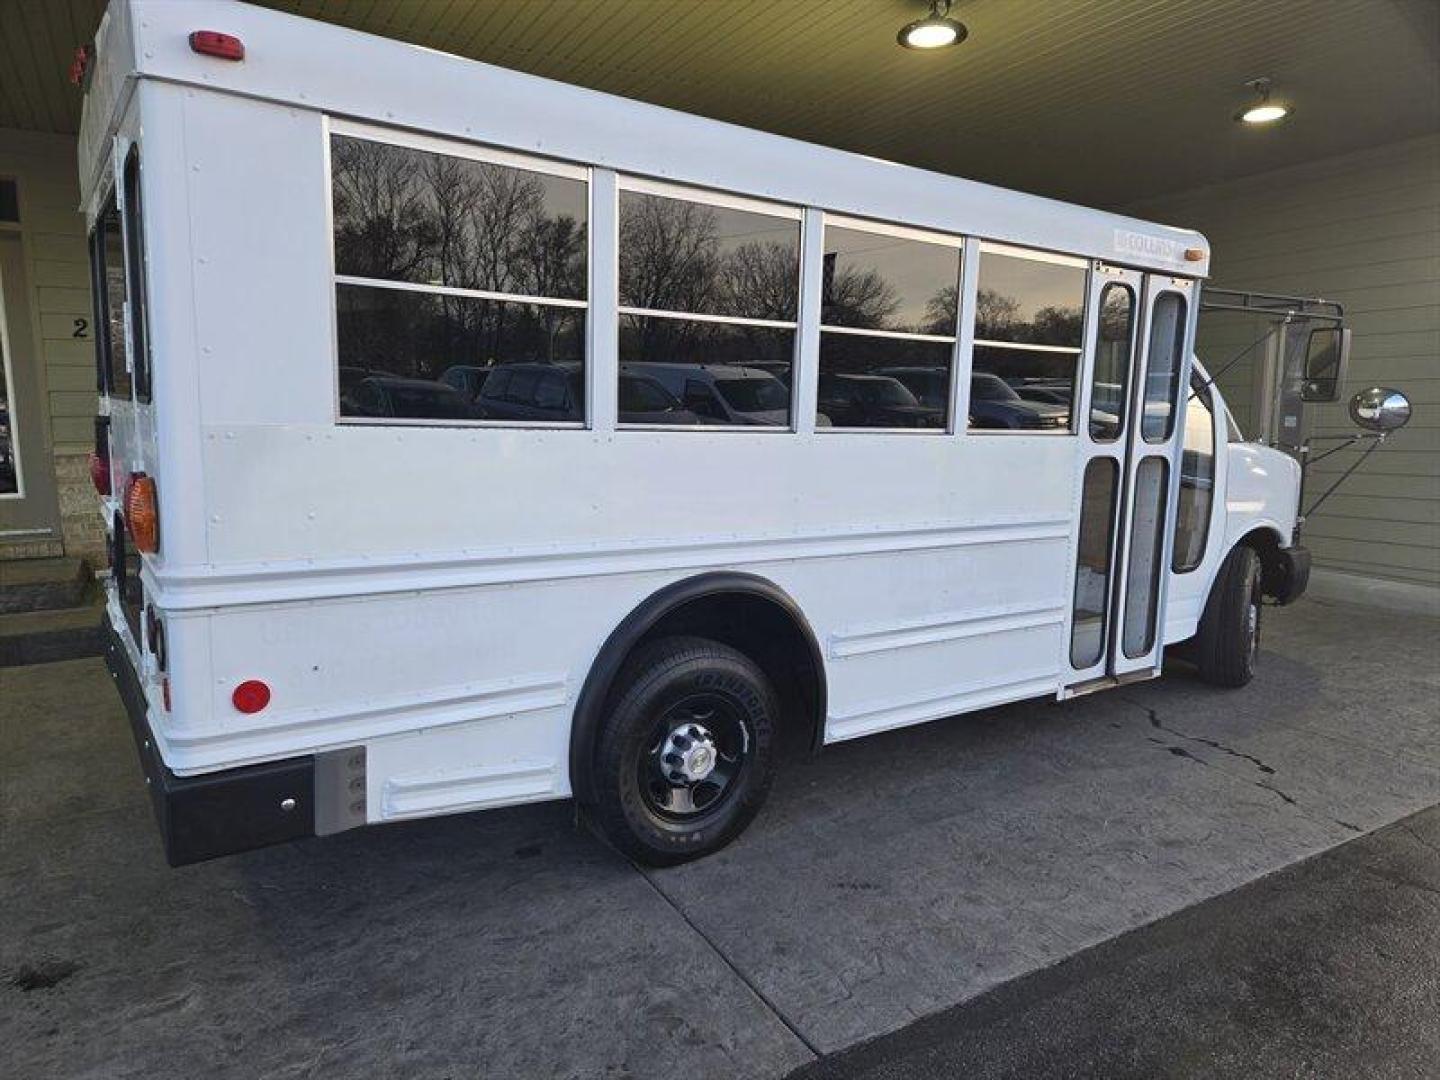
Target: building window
[
  {"x": 9, "y": 202},
  {"x": 709, "y": 301},
  {"x": 1029, "y": 318},
  {"x": 889, "y": 303},
  {"x": 1197, "y": 479},
  {"x": 451, "y": 265}
]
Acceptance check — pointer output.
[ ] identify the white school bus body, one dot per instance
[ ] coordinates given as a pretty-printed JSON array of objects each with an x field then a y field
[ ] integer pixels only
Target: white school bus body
[{"x": 429, "y": 602}]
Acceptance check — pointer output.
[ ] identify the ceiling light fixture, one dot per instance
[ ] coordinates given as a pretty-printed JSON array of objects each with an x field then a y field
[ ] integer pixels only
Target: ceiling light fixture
[
  {"x": 1263, "y": 111},
  {"x": 935, "y": 31}
]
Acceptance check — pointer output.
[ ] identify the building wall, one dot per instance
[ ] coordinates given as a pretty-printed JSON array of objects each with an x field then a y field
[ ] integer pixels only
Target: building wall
[
  {"x": 57, "y": 272},
  {"x": 1362, "y": 229}
]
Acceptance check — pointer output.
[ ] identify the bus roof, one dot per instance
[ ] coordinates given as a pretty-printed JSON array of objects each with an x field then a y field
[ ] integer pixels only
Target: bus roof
[{"x": 313, "y": 65}]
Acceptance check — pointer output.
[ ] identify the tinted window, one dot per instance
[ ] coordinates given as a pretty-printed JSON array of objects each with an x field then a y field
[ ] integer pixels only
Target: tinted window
[
  {"x": 435, "y": 221},
  {"x": 887, "y": 343},
  {"x": 110, "y": 334},
  {"x": 691, "y": 359},
  {"x": 1147, "y": 535},
  {"x": 1029, "y": 315},
  {"x": 684, "y": 256},
  {"x": 1110, "y": 383},
  {"x": 135, "y": 276},
  {"x": 1092, "y": 569},
  {"x": 878, "y": 281},
  {"x": 1197, "y": 480},
  {"x": 882, "y": 382},
  {"x": 1162, "y": 366},
  {"x": 740, "y": 267},
  {"x": 419, "y": 335}
]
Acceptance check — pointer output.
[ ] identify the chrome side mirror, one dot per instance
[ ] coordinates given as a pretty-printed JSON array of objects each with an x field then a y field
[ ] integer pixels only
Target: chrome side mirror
[
  {"x": 1380, "y": 409},
  {"x": 1327, "y": 356}
]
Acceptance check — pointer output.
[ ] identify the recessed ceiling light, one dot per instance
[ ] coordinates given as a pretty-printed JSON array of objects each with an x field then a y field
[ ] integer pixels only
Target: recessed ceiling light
[
  {"x": 1263, "y": 111},
  {"x": 935, "y": 31}
]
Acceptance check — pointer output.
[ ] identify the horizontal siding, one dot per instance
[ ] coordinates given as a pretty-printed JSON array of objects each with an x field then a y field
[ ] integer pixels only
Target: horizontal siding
[
  {"x": 53, "y": 235},
  {"x": 1364, "y": 230}
]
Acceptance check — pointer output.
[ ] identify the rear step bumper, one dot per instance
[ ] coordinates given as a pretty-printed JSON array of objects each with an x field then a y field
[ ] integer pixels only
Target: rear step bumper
[{"x": 219, "y": 813}]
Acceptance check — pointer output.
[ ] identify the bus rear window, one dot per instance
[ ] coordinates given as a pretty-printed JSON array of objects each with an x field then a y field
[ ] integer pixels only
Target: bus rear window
[{"x": 107, "y": 257}]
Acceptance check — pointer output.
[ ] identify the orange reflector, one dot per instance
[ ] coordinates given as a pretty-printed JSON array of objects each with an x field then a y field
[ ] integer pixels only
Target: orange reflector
[
  {"x": 142, "y": 513},
  {"x": 1194, "y": 254}
]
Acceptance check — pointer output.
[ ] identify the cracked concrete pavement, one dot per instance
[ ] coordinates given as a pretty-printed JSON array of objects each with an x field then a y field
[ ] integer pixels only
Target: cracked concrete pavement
[{"x": 888, "y": 878}]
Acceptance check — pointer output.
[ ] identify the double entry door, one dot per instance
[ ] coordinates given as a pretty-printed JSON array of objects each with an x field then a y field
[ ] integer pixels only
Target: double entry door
[{"x": 1130, "y": 439}]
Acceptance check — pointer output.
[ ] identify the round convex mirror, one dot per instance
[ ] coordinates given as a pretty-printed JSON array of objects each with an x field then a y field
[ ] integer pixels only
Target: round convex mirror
[{"x": 1380, "y": 408}]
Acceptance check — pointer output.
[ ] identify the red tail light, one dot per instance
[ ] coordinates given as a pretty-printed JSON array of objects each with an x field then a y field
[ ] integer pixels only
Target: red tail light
[
  {"x": 100, "y": 471},
  {"x": 142, "y": 513},
  {"x": 221, "y": 46}
]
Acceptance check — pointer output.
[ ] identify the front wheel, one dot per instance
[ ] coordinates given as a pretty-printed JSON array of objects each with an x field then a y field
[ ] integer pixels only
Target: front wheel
[
  {"x": 684, "y": 760},
  {"x": 1228, "y": 641}
]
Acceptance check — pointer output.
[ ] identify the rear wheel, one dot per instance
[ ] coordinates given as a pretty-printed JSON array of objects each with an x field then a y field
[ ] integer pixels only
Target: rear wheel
[
  {"x": 684, "y": 760},
  {"x": 1228, "y": 641}
]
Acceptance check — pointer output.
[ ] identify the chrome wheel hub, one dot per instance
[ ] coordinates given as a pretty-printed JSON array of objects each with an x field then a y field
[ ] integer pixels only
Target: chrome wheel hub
[{"x": 688, "y": 755}]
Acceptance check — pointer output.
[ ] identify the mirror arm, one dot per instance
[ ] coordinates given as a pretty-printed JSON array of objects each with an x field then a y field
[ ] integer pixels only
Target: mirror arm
[{"x": 1378, "y": 438}]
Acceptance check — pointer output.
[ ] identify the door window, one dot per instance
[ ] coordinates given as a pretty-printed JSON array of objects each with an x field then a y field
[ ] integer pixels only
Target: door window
[
  {"x": 1147, "y": 536},
  {"x": 1197, "y": 480},
  {"x": 1110, "y": 383},
  {"x": 1163, "y": 363},
  {"x": 1092, "y": 570}
]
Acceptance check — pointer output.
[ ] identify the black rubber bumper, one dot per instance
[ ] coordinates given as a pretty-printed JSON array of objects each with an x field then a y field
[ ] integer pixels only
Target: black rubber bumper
[
  {"x": 219, "y": 813},
  {"x": 1292, "y": 575}
]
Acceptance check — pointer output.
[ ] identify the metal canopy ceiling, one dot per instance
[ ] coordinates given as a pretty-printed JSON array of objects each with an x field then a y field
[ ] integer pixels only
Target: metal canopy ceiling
[{"x": 1096, "y": 101}]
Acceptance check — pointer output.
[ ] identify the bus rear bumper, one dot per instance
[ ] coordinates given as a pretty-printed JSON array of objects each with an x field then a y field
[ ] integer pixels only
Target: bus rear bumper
[{"x": 220, "y": 813}]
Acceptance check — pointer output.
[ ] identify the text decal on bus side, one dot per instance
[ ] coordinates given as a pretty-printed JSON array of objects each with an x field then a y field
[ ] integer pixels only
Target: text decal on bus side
[{"x": 1150, "y": 247}]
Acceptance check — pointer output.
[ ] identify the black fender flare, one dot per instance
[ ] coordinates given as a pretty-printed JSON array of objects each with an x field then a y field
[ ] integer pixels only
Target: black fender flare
[{"x": 590, "y": 705}]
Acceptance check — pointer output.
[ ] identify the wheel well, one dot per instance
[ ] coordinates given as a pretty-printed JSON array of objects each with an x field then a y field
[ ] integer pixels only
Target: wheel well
[
  {"x": 1266, "y": 544},
  {"x": 748, "y": 613}
]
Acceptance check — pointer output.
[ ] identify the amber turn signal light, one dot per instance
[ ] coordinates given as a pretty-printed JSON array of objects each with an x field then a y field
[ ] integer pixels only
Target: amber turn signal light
[{"x": 142, "y": 513}]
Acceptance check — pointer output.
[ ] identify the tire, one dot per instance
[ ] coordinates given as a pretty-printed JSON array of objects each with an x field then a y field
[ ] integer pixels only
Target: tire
[
  {"x": 1228, "y": 640},
  {"x": 674, "y": 698}
]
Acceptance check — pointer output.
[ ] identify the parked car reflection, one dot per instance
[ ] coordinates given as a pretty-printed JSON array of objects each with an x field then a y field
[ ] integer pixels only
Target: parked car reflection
[
  {"x": 469, "y": 379},
  {"x": 721, "y": 393},
  {"x": 875, "y": 401},
  {"x": 391, "y": 397},
  {"x": 995, "y": 404}
]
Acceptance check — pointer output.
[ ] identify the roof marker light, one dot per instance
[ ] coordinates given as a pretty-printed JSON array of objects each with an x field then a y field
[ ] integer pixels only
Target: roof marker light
[{"x": 214, "y": 43}]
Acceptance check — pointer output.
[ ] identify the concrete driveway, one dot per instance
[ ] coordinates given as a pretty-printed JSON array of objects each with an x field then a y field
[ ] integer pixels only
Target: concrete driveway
[{"x": 886, "y": 879}]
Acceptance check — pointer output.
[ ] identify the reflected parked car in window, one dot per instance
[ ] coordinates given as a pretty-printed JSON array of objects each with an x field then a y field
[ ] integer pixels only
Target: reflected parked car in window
[
  {"x": 722, "y": 393},
  {"x": 467, "y": 378},
  {"x": 877, "y": 401},
  {"x": 644, "y": 400},
  {"x": 995, "y": 404},
  {"x": 930, "y": 385},
  {"x": 539, "y": 392},
  {"x": 415, "y": 399}
]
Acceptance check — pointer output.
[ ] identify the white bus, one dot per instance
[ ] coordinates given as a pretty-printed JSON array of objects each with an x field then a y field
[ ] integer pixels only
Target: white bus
[{"x": 345, "y": 590}]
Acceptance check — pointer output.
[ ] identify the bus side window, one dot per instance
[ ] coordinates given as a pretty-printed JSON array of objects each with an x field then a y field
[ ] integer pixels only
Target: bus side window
[
  {"x": 470, "y": 259},
  {"x": 1029, "y": 318},
  {"x": 888, "y": 314},
  {"x": 1197, "y": 480}
]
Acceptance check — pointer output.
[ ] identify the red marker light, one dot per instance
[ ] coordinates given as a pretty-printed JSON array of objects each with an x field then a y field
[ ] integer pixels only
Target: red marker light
[
  {"x": 100, "y": 472},
  {"x": 221, "y": 46},
  {"x": 251, "y": 696}
]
